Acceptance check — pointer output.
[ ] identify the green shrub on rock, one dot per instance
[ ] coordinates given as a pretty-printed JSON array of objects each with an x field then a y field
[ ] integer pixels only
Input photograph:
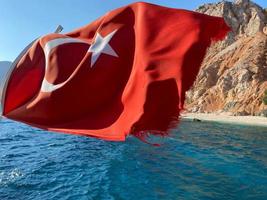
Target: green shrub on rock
[{"x": 265, "y": 97}]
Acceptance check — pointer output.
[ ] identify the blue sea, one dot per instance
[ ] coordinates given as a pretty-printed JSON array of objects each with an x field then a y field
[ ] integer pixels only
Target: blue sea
[{"x": 200, "y": 160}]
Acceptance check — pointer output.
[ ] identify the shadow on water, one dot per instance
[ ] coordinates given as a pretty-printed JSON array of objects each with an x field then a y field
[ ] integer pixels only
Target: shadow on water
[{"x": 198, "y": 161}]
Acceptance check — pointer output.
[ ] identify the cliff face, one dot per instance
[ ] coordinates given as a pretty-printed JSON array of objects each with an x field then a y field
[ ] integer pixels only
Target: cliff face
[{"x": 233, "y": 76}]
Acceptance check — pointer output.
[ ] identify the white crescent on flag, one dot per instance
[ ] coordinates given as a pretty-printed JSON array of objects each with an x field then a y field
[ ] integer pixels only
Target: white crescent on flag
[
  {"x": 46, "y": 86},
  {"x": 99, "y": 46}
]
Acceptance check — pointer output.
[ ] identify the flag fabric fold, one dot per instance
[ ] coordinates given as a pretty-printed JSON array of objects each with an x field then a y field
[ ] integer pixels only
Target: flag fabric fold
[{"x": 125, "y": 73}]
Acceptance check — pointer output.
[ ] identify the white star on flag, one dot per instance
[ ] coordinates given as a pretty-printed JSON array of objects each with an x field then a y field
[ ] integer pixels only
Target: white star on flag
[{"x": 101, "y": 45}]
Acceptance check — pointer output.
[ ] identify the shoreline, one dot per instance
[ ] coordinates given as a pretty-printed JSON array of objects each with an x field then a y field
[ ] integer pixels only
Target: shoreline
[{"x": 224, "y": 118}]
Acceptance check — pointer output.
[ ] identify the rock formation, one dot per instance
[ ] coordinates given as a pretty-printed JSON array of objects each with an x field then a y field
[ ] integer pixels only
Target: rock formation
[{"x": 233, "y": 76}]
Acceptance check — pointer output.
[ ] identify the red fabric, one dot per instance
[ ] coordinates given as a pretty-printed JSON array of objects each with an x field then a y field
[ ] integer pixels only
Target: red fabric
[{"x": 142, "y": 90}]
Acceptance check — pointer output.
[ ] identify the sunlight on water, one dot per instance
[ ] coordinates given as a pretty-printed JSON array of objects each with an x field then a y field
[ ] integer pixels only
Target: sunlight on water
[{"x": 198, "y": 161}]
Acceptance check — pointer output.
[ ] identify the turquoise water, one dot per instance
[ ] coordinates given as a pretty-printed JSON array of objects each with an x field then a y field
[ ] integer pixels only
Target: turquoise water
[{"x": 199, "y": 161}]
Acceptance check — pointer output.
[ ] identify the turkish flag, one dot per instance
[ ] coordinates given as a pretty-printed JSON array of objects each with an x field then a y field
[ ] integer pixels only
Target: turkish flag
[{"x": 125, "y": 73}]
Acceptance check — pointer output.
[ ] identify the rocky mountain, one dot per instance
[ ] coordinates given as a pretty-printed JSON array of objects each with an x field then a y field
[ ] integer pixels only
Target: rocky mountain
[{"x": 233, "y": 76}]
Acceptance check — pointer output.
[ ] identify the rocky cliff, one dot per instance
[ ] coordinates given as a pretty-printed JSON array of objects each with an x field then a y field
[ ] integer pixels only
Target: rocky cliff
[{"x": 233, "y": 76}]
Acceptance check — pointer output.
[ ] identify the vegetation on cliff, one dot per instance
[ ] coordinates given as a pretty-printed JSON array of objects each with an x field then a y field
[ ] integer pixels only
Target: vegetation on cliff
[{"x": 265, "y": 97}]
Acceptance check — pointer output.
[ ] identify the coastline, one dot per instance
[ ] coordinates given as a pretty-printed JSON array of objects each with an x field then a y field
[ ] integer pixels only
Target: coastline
[{"x": 224, "y": 118}]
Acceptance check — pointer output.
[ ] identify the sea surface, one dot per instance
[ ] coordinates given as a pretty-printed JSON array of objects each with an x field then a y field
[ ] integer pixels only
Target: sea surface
[{"x": 199, "y": 161}]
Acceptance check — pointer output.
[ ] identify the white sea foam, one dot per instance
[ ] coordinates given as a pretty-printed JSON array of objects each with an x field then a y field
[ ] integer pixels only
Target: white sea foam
[{"x": 7, "y": 177}]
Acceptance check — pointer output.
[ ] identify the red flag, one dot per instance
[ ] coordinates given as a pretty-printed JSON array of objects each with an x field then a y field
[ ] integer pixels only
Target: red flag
[{"x": 125, "y": 73}]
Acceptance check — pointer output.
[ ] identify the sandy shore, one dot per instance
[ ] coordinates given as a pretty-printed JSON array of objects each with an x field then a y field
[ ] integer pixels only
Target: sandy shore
[{"x": 246, "y": 120}]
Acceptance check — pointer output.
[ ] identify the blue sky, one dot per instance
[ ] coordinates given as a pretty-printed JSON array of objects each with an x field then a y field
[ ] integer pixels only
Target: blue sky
[{"x": 21, "y": 21}]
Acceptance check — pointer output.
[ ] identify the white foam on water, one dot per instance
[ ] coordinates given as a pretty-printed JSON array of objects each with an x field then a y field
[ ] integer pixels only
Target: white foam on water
[{"x": 11, "y": 176}]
